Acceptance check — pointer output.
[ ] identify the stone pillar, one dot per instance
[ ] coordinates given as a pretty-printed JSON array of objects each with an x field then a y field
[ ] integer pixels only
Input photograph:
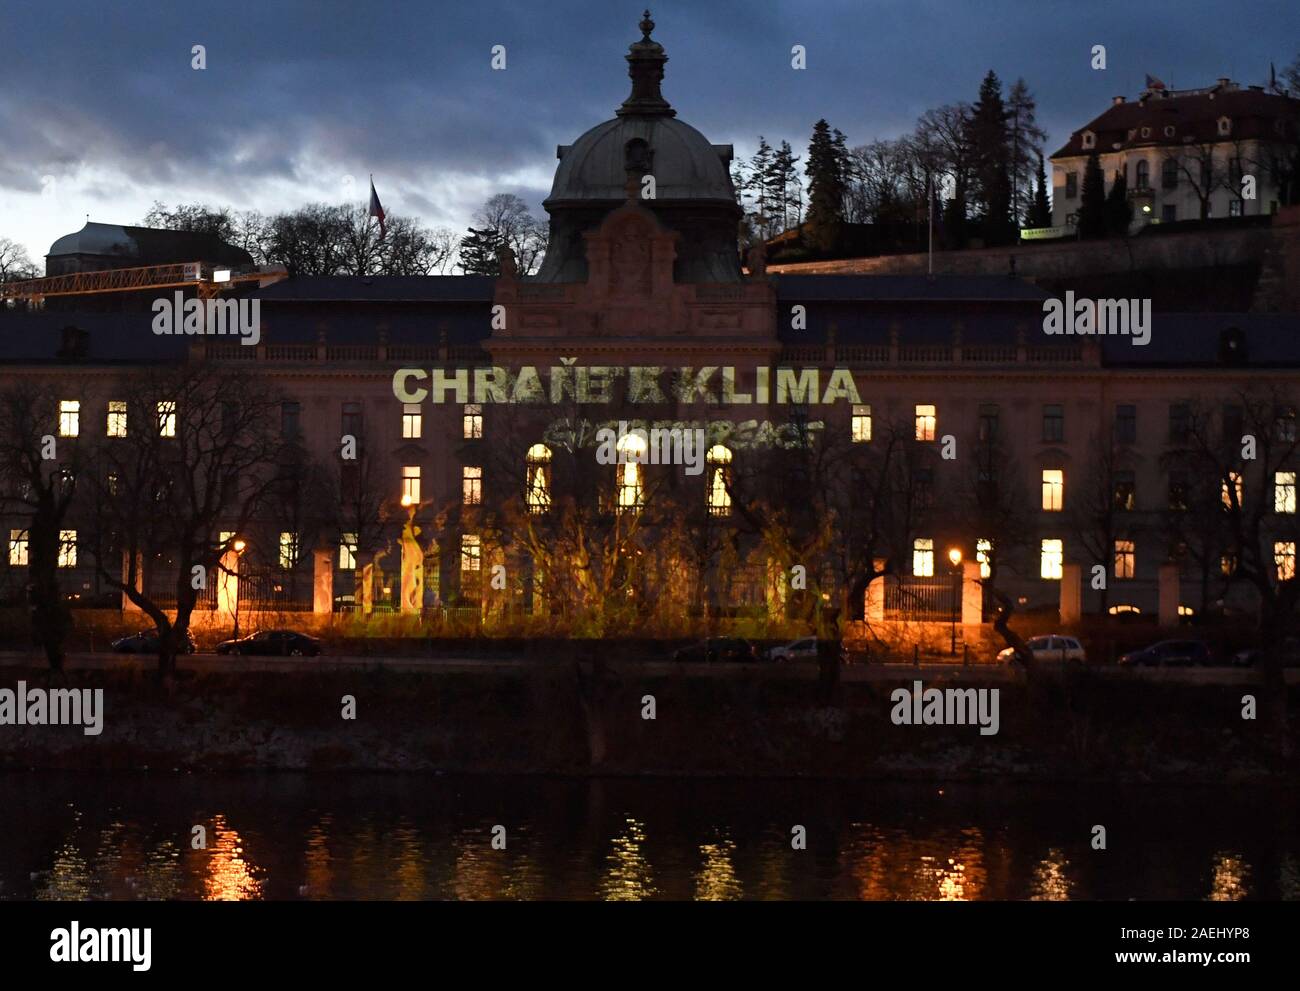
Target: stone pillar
[
  {"x": 1071, "y": 594},
  {"x": 875, "y": 608},
  {"x": 972, "y": 595},
  {"x": 322, "y": 597},
  {"x": 412, "y": 572},
  {"x": 1169, "y": 595},
  {"x": 364, "y": 598},
  {"x": 227, "y": 585},
  {"x": 138, "y": 584}
]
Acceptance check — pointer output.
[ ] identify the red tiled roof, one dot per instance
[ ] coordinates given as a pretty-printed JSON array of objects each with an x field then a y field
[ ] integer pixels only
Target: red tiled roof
[{"x": 1253, "y": 112}]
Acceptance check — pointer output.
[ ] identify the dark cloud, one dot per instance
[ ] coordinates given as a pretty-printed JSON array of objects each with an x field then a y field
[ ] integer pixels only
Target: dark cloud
[{"x": 298, "y": 94}]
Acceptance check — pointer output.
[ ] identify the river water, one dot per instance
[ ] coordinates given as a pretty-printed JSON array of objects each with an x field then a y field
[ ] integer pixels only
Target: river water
[{"x": 388, "y": 836}]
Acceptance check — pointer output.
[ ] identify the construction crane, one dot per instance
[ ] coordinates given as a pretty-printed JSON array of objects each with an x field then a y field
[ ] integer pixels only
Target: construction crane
[{"x": 207, "y": 280}]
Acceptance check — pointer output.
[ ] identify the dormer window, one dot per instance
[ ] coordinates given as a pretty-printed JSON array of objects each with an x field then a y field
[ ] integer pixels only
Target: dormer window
[
  {"x": 1146, "y": 132},
  {"x": 1225, "y": 126},
  {"x": 1089, "y": 140},
  {"x": 637, "y": 157},
  {"x": 1169, "y": 130}
]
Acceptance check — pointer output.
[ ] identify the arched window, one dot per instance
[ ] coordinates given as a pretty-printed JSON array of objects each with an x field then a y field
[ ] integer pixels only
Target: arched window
[
  {"x": 630, "y": 480},
  {"x": 1143, "y": 178},
  {"x": 1169, "y": 174},
  {"x": 719, "y": 461},
  {"x": 537, "y": 490}
]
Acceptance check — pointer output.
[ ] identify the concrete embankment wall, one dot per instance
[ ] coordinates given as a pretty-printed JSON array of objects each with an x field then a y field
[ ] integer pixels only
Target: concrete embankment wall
[{"x": 565, "y": 717}]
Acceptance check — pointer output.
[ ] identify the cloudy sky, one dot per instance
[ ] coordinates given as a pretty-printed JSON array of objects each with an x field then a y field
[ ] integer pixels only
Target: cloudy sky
[{"x": 102, "y": 114}]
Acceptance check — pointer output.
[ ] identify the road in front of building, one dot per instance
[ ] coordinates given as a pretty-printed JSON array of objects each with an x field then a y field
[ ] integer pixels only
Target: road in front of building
[{"x": 797, "y": 671}]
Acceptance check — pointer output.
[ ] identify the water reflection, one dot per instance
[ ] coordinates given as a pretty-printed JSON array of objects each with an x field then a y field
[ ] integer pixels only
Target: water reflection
[
  {"x": 1229, "y": 875},
  {"x": 383, "y": 839},
  {"x": 627, "y": 873},
  {"x": 227, "y": 875},
  {"x": 1051, "y": 883},
  {"x": 716, "y": 879}
]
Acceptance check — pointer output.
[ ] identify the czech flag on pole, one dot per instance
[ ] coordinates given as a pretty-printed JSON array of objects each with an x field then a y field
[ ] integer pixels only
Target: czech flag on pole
[{"x": 377, "y": 209}]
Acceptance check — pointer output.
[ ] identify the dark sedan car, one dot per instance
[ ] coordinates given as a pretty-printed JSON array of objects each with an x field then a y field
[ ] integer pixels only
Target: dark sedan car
[
  {"x": 1170, "y": 653},
  {"x": 146, "y": 642},
  {"x": 278, "y": 643},
  {"x": 717, "y": 649}
]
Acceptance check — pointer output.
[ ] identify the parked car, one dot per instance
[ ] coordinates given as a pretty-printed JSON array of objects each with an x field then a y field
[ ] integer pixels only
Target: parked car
[
  {"x": 803, "y": 649},
  {"x": 146, "y": 642},
  {"x": 1055, "y": 647},
  {"x": 273, "y": 642},
  {"x": 717, "y": 649},
  {"x": 1288, "y": 654},
  {"x": 1170, "y": 653}
]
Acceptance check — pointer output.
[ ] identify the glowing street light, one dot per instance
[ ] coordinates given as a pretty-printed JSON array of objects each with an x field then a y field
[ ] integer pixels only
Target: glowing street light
[
  {"x": 954, "y": 555},
  {"x": 239, "y": 546}
]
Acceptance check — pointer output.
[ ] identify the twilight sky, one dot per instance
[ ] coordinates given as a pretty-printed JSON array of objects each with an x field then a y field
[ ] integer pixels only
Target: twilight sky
[{"x": 101, "y": 113}]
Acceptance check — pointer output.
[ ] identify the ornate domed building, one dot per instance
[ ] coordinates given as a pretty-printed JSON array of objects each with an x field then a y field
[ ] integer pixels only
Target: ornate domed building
[{"x": 692, "y": 190}]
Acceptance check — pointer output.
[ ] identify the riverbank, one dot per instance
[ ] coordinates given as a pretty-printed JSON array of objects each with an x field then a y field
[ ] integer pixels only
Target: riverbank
[{"x": 622, "y": 719}]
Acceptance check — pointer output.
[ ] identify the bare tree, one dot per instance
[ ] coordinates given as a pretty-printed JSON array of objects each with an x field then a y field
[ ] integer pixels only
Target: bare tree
[
  {"x": 197, "y": 461},
  {"x": 15, "y": 264},
  {"x": 38, "y": 478}
]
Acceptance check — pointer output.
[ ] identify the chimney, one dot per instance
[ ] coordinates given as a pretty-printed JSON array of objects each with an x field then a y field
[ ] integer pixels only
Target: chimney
[{"x": 1116, "y": 100}]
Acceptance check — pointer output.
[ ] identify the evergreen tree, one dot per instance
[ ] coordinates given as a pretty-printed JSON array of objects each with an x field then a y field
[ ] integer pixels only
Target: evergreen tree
[
  {"x": 478, "y": 252},
  {"x": 992, "y": 161},
  {"x": 1040, "y": 213},
  {"x": 1092, "y": 203},
  {"x": 1026, "y": 139},
  {"x": 780, "y": 182},
  {"x": 825, "y": 190},
  {"x": 760, "y": 167},
  {"x": 1119, "y": 212}
]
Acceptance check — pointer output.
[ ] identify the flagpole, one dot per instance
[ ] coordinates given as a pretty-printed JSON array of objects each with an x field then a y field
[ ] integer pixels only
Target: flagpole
[{"x": 929, "y": 206}]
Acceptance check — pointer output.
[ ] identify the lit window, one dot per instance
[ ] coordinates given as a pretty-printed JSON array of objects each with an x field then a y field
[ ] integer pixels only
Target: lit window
[
  {"x": 348, "y": 552},
  {"x": 719, "y": 459},
  {"x": 18, "y": 548},
  {"x": 1231, "y": 488},
  {"x": 537, "y": 486},
  {"x": 473, "y": 421},
  {"x": 412, "y": 421},
  {"x": 410, "y": 484},
  {"x": 1227, "y": 564},
  {"x": 1123, "y": 609},
  {"x": 471, "y": 485},
  {"x": 923, "y": 557},
  {"x": 861, "y": 424},
  {"x": 471, "y": 552},
  {"x": 1051, "y": 558},
  {"x": 1125, "y": 559},
  {"x": 1284, "y": 558},
  {"x": 631, "y": 489},
  {"x": 69, "y": 418},
  {"x": 925, "y": 417},
  {"x": 1053, "y": 489},
  {"x": 288, "y": 549},
  {"x": 1284, "y": 492},
  {"x": 68, "y": 548},
  {"x": 167, "y": 419},
  {"x": 984, "y": 555},
  {"x": 116, "y": 418}
]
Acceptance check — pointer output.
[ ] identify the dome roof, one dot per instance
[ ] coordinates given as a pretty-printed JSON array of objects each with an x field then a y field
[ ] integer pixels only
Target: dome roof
[{"x": 681, "y": 159}]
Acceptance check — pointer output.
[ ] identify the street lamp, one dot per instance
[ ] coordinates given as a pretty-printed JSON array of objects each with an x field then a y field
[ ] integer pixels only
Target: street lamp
[
  {"x": 954, "y": 555},
  {"x": 239, "y": 546}
]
